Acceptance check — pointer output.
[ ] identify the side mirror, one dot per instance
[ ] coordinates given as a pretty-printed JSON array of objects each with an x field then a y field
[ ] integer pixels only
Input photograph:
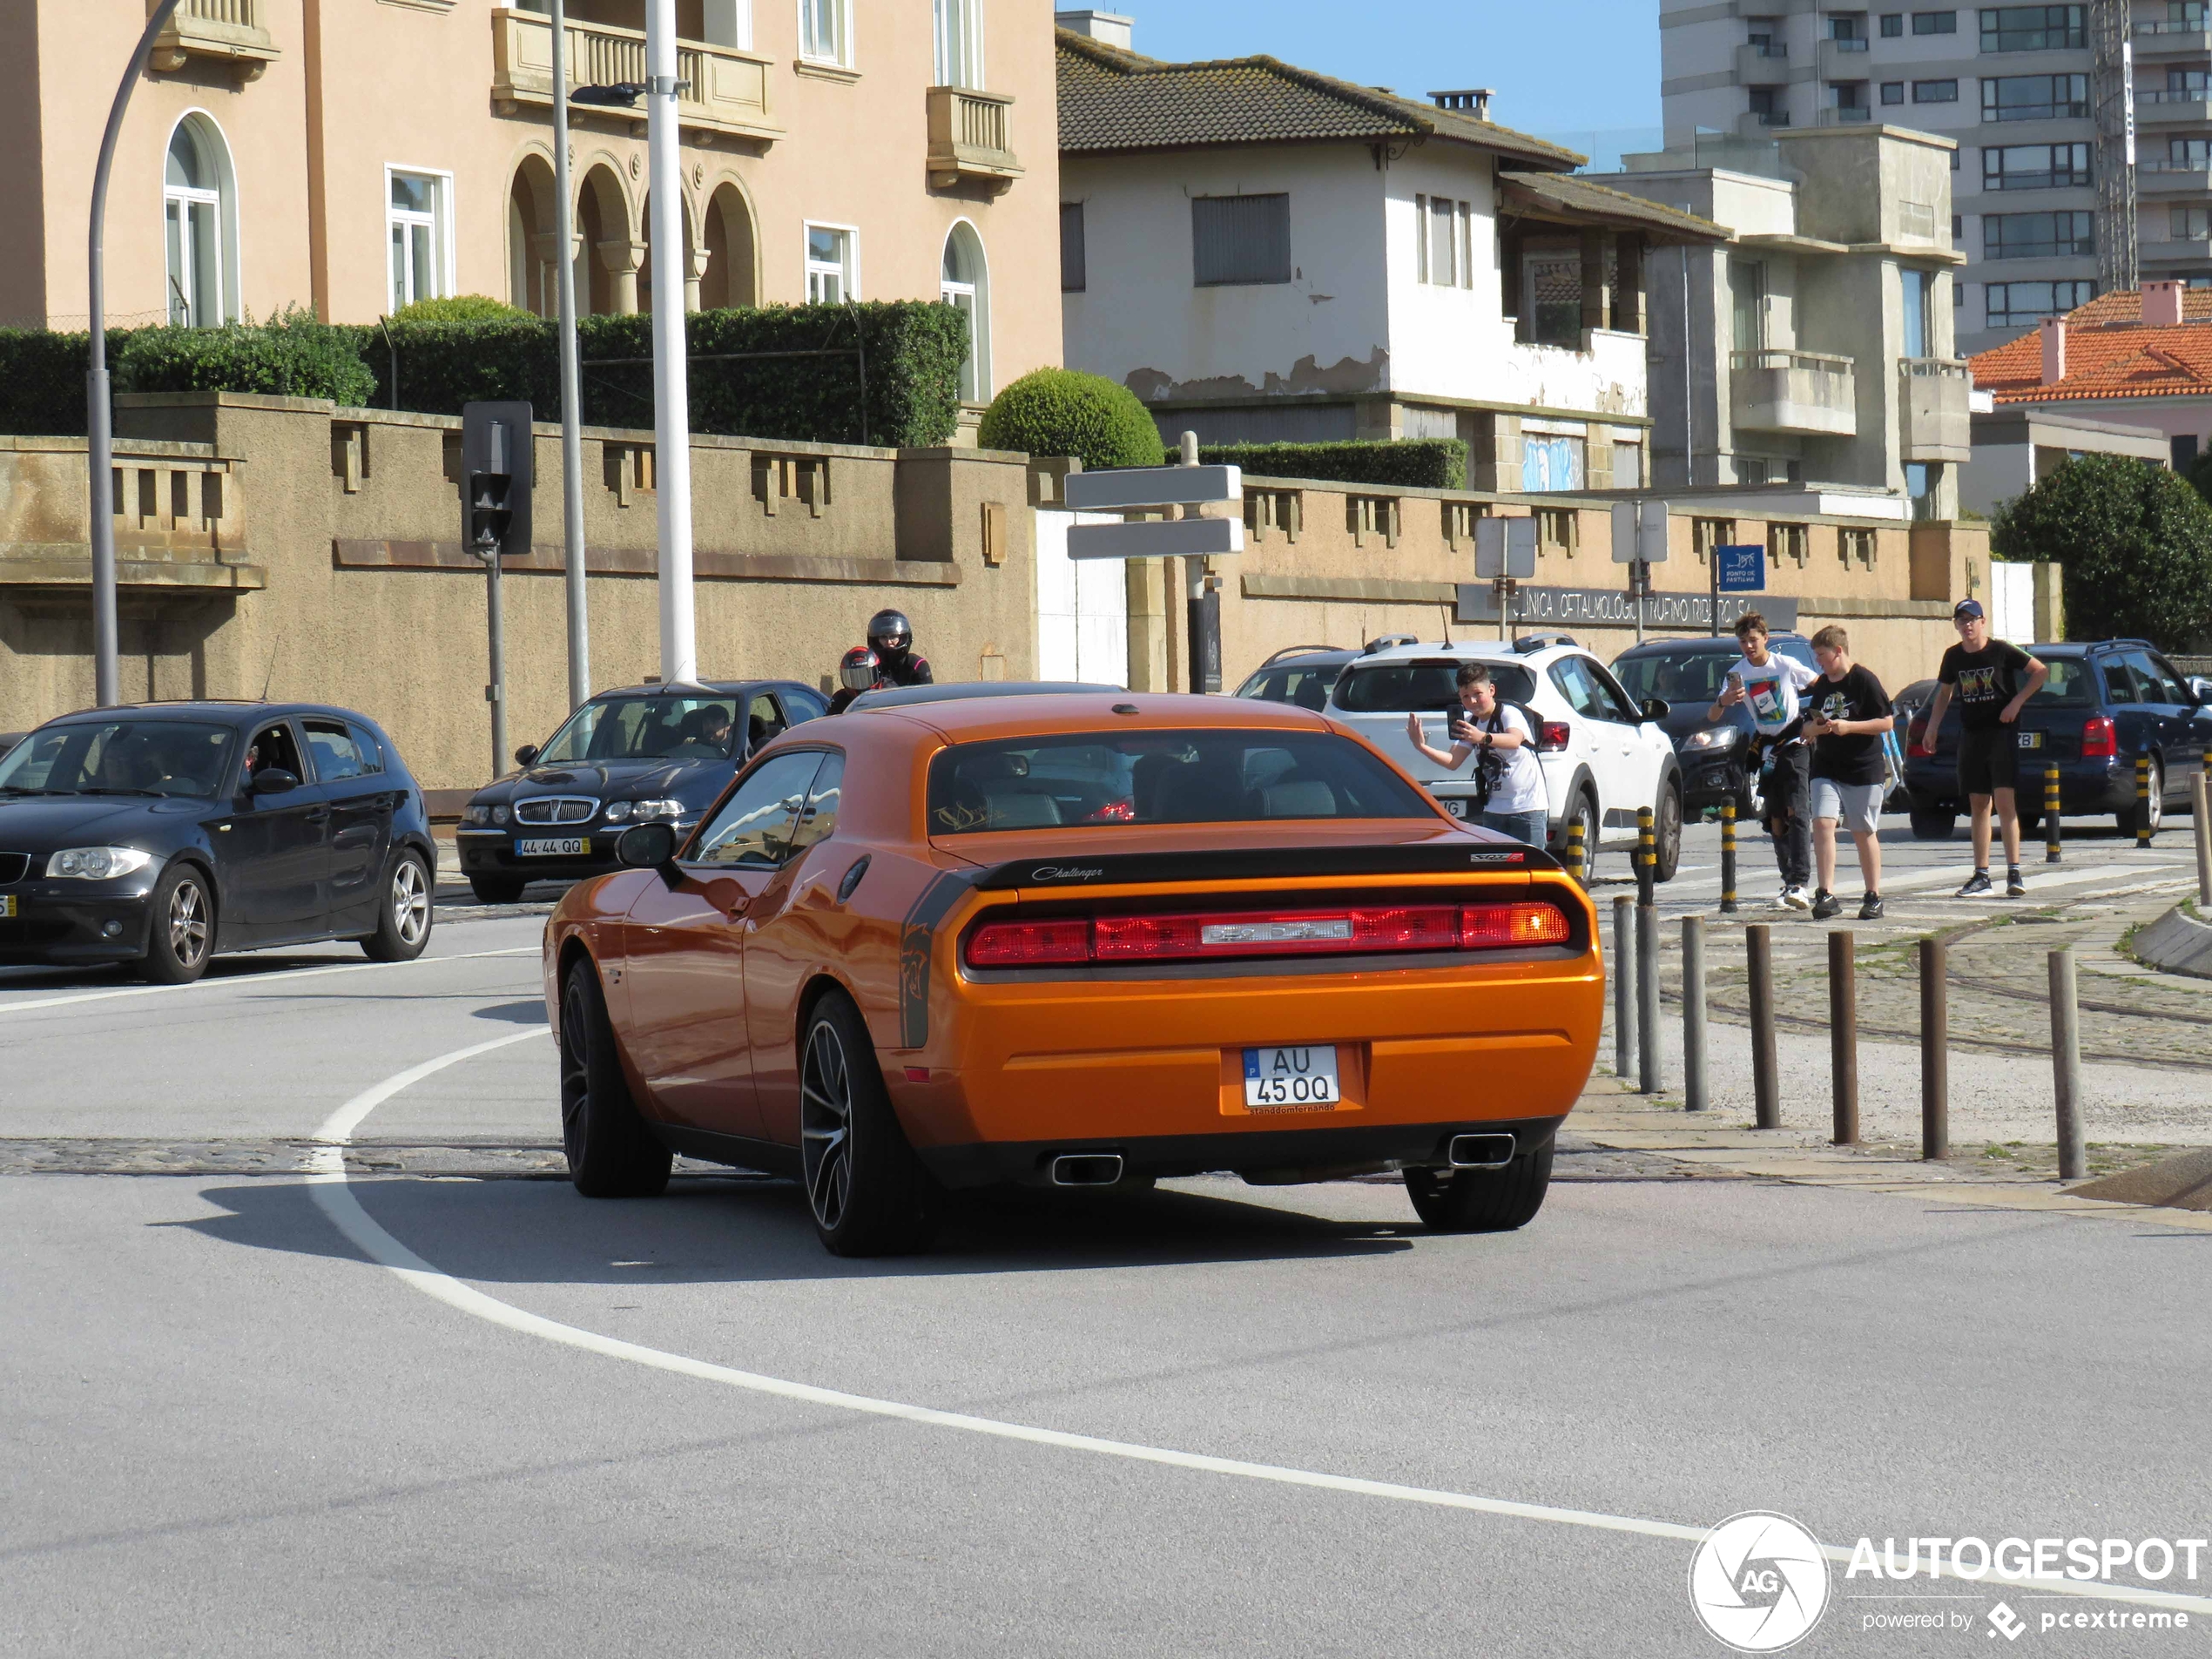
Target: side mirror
[
  {"x": 2200, "y": 691},
  {"x": 274, "y": 780},
  {"x": 647, "y": 847},
  {"x": 1657, "y": 708},
  {"x": 527, "y": 755}
]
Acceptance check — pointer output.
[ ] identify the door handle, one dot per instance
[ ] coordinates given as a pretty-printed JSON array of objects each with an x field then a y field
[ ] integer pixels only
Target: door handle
[{"x": 318, "y": 815}]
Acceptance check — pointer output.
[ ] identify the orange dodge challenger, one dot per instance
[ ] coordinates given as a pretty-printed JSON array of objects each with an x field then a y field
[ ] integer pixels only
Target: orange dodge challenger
[{"x": 970, "y": 934}]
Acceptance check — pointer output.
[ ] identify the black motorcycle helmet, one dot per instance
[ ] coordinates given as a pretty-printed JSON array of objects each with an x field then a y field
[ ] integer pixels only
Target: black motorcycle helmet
[
  {"x": 857, "y": 671},
  {"x": 890, "y": 635}
]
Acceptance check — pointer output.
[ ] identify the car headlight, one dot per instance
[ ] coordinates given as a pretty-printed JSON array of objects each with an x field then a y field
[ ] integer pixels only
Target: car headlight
[
  {"x": 1714, "y": 736},
  {"x": 499, "y": 815},
  {"x": 643, "y": 810},
  {"x": 618, "y": 811},
  {"x": 98, "y": 863},
  {"x": 476, "y": 815}
]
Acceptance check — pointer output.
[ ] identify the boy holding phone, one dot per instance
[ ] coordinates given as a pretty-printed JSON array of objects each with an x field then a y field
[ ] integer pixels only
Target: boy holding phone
[
  {"x": 1846, "y": 717},
  {"x": 1769, "y": 683}
]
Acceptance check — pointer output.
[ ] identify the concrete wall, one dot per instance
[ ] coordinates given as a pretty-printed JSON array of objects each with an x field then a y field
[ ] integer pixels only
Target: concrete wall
[{"x": 361, "y": 595}]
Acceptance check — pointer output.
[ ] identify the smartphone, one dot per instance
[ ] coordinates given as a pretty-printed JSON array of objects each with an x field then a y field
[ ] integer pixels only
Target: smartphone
[{"x": 1734, "y": 681}]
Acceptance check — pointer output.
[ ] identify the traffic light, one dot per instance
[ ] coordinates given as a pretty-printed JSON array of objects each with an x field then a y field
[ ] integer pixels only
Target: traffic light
[{"x": 495, "y": 480}]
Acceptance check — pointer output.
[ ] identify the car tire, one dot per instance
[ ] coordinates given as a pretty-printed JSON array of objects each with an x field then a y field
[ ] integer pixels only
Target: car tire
[
  {"x": 493, "y": 889},
  {"x": 180, "y": 927},
  {"x": 2128, "y": 821},
  {"x": 403, "y": 919},
  {"x": 612, "y": 1153},
  {"x": 1482, "y": 1201},
  {"x": 1583, "y": 812},
  {"x": 1933, "y": 823},
  {"x": 867, "y": 1190},
  {"x": 1667, "y": 833}
]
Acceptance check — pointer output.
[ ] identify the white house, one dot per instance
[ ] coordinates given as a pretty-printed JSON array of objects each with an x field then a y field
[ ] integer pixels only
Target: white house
[{"x": 1263, "y": 253}]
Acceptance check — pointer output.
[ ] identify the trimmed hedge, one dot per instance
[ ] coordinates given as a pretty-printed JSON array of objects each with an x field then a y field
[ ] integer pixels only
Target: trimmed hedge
[
  {"x": 1411, "y": 463},
  {"x": 1065, "y": 412},
  {"x": 460, "y": 307},
  {"x": 914, "y": 349}
]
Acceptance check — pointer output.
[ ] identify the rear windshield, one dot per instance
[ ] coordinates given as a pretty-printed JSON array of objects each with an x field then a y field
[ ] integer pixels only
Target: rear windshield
[
  {"x": 1162, "y": 778},
  {"x": 1678, "y": 677},
  {"x": 1424, "y": 687},
  {"x": 2072, "y": 685},
  {"x": 1305, "y": 685}
]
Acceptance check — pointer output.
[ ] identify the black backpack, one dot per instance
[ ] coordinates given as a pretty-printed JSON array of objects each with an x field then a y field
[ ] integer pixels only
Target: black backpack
[{"x": 1489, "y": 764}]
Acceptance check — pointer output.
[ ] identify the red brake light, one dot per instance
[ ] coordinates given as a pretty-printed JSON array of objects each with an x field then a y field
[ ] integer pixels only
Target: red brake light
[
  {"x": 1029, "y": 944},
  {"x": 2100, "y": 738},
  {"x": 1916, "y": 736},
  {"x": 1551, "y": 737}
]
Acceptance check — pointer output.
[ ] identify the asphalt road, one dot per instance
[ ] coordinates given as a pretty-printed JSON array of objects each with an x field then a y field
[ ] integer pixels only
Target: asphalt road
[{"x": 1212, "y": 1421}]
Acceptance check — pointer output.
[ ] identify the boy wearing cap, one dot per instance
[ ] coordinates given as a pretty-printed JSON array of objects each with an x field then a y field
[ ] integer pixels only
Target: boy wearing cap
[{"x": 1993, "y": 679}]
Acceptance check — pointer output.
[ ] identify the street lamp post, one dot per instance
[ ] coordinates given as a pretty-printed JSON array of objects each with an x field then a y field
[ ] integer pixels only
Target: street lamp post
[
  {"x": 671, "y": 397},
  {"x": 99, "y": 449},
  {"x": 571, "y": 378}
]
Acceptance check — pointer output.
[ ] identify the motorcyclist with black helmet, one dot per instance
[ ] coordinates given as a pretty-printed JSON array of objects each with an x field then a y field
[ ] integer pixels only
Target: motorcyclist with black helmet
[
  {"x": 859, "y": 671},
  {"x": 890, "y": 637}
]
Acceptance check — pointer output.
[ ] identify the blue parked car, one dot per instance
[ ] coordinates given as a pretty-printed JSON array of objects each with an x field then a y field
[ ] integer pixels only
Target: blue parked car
[
  {"x": 640, "y": 755},
  {"x": 2105, "y": 703}
]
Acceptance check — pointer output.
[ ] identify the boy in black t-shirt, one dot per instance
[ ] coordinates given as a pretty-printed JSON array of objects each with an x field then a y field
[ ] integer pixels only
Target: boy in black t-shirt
[
  {"x": 1846, "y": 713},
  {"x": 1993, "y": 679}
]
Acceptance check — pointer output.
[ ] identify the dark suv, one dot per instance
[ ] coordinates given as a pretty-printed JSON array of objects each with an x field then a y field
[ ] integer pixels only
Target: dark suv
[
  {"x": 1688, "y": 676},
  {"x": 2105, "y": 703}
]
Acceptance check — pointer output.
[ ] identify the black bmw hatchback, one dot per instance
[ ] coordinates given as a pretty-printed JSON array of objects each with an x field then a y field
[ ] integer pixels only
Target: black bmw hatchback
[
  {"x": 163, "y": 833},
  {"x": 640, "y": 755}
]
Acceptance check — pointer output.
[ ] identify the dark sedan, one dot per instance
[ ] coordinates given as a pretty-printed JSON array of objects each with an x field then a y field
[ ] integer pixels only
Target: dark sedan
[
  {"x": 163, "y": 833},
  {"x": 1688, "y": 676},
  {"x": 640, "y": 755},
  {"x": 2105, "y": 703}
]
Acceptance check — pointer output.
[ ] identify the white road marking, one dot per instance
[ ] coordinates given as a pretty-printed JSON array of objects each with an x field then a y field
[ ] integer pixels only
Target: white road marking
[
  {"x": 327, "y": 1184},
  {"x": 281, "y": 976}
]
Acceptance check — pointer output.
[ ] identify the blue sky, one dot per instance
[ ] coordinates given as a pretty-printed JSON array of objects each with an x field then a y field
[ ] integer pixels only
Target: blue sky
[{"x": 1558, "y": 65}]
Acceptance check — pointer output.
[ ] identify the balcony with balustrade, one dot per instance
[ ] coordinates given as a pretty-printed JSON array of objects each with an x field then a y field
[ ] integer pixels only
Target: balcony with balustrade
[
  {"x": 725, "y": 91},
  {"x": 1812, "y": 393},
  {"x": 970, "y": 138},
  {"x": 233, "y": 32},
  {"x": 1934, "y": 408}
]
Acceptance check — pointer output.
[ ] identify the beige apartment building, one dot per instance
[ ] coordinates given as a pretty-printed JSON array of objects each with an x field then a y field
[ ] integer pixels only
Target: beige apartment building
[{"x": 359, "y": 154}]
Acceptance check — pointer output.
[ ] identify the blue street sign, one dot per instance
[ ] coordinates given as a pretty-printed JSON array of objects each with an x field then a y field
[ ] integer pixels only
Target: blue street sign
[{"x": 1740, "y": 569}]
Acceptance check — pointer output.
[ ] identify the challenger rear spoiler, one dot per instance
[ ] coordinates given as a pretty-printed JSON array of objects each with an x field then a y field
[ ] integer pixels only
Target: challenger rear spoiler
[{"x": 1428, "y": 857}]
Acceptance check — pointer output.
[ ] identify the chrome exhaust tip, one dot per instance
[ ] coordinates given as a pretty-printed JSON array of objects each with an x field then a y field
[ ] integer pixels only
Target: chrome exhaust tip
[
  {"x": 1479, "y": 1151},
  {"x": 1086, "y": 1169}
]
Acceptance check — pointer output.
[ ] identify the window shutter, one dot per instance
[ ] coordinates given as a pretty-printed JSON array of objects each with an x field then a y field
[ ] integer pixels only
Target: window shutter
[
  {"x": 1240, "y": 239},
  {"x": 1074, "y": 273}
]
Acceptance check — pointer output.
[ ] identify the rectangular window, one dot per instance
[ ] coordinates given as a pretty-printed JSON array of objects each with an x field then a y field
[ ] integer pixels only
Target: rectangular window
[
  {"x": 1764, "y": 103},
  {"x": 2035, "y": 29},
  {"x": 1747, "y": 301},
  {"x": 2028, "y": 236},
  {"x": 1892, "y": 25},
  {"x": 418, "y": 226},
  {"x": 1238, "y": 241},
  {"x": 1628, "y": 465},
  {"x": 2035, "y": 167},
  {"x": 2189, "y": 155},
  {"x": 1893, "y": 92},
  {"x": 1913, "y": 287},
  {"x": 1551, "y": 289},
  {"x": 2022, "y": 305},
  {"x": 832, "y": 265},
  {"x": 2035, "y": 97},
  {"x": 1848, "y": 26},
  {"x": 1935, "y": 91},
  {"x": 2185, "y": 85},
  {"x": 2188, "y": 224},
  {"x": 1850, "y": 95},
  {"x": 1935, "y": 22},
  {"x": 826, "y": 31},
  {"x": 960, "y": 43},
  {"x": 1445, "y": 256},
  {"x": 1551, "y": 462},
  {"x": 1074, "y": 271},
  {"x": 722, "y": 22}
]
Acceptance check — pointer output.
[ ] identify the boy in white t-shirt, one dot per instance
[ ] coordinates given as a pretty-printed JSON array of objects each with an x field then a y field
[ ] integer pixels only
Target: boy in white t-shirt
[
  {"x": 1518, "y": 805},
  {"x": 1769, "y": 683}
]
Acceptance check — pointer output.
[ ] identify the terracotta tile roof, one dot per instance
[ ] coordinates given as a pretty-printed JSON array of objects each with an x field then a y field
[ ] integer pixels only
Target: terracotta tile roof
[
  {"x": 1578, "y": 200},
  {"x": 1111, "y": 99},
  {"x": 2109, "y": 353}
]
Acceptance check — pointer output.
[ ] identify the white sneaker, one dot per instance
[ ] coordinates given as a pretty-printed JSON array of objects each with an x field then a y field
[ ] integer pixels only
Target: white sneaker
[{"x": 1795, "y": 898}]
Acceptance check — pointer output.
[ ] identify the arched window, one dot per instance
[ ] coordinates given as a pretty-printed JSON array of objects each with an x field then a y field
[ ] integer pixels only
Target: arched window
[
  {"x": 200, "y": 212},
  {"x": 967, "y": 288}
]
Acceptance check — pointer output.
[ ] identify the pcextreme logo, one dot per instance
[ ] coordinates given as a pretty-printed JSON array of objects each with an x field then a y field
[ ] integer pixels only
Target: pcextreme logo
[{"x": 1758, "y": 1582}]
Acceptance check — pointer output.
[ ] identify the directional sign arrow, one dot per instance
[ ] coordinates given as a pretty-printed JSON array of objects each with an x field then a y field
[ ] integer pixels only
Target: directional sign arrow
[
  {"x": 1174, "y": 538},
  {"x": 1134, "y": 486}
]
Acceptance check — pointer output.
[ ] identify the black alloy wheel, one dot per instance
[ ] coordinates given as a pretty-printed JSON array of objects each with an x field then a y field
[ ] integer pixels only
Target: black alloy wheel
[
  {"x": 868, "y": 1192},
  {"x": 180, "y": 927},
  {"x": 1482, "y": 1201},
  {"x": 611, "y": 1152},
  {"x": 403, "y": 919},
  {"x": 1667, "y": 833}
]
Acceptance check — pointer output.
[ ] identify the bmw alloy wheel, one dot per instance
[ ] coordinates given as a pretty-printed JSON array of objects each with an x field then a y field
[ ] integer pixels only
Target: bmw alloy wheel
[
  {"x": 410, "y": 903},
  {"x": 188, "y": 923},
  {"x": 826, "y": 1124}
]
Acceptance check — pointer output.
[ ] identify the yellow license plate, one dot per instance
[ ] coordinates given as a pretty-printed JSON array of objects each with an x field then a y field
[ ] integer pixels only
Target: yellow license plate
[{"x": 7, "y": 904}]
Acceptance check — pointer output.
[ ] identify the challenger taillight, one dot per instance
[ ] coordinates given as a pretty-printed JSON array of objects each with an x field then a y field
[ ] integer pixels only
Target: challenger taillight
[
  {"x": 1355, "y": 930},
  {"x": 2100, "y": 738},
  {"x": 1917, "y": 741},
  {"x": 1551, "y": 737}
]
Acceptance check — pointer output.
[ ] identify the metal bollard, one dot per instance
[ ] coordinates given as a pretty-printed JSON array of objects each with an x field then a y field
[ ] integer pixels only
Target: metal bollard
[
  {"x": 2051, "y": 853},
  {"x": 1695, "y": 1091},
  {"x": 1651, "y": 1072},
  {"x": 1625, "y": 987},
  {"x": 1935, "y": 1051},
  {"x": 1843, "y": 1032},
  {"x": 1647, "y": 854},
  {"x": 1766, "y": 1092},
  {"x": 2142, "y": 801},
  {"x": 1728, "y": 858},
  {"x": 1574, "y": 865},
  {"x": 2066, "y": 1065},
  {"x": 2201, "y": 825}
]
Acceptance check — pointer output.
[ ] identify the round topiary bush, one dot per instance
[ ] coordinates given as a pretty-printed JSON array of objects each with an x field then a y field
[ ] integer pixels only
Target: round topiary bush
[
  {"x": 1064, "y": 412},
  {"x": 460, "y": 307}
]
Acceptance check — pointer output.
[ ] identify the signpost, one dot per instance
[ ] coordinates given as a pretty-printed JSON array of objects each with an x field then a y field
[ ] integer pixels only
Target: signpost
[
  {"x": 1737, "y": 568},
  {"x": 1505, "y": 556},
  {"x": 1639, "y": 542},
  {"x": 1188, "y": 488}
]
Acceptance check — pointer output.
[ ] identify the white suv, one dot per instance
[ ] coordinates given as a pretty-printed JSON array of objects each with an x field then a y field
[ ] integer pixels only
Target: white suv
[{"x": 1602, "y": 756}]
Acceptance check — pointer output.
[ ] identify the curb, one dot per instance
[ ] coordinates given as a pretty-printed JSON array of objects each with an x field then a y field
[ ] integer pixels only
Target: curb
[{"x": 2177, "y": 942}]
